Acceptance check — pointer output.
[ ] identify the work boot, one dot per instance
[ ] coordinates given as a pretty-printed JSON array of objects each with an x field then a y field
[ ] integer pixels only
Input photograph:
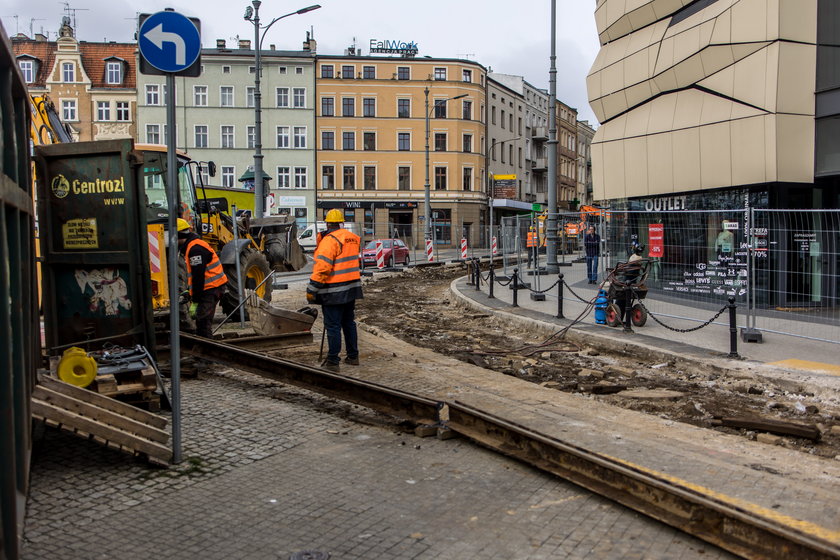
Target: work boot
[
  {"x": 351, "y": 361},
  {"x": 331, "y": 366}
]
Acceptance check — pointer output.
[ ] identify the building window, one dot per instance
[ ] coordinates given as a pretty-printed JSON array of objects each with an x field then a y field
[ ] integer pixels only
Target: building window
[
  {"x": 282, "y": 136},
  {"x": 299, "y": 70},
  {"x": 300, "y": 177},
  {"x": 369, "y": 107},
  {"x": 328, "y": 177},
  {"x": 467, "y": 76},
  {"x": 328, "y": 140},
  {"x": 122, "y": 111},
  {"x": 404, "y": 141},
  {"x": 282, "y": 97},
  {"x": 440, "y": 73},
  {"x": 152, "y": 94},
  {"x": 28, "y": 70},
  {"x": 227, "y": 136},
  {"x": 281, "y": 69},
  {"x": 68, "y": 72},
  {"x": 510, "y": 154},
  {"x": 466, "y": 114},
  {"x": 348, "y": 72},
  {"x": 369, "y": 141},
  {"x": 440, "y": 178},
  {"x": 103, "y": 110},
  {"x": 299, "y": 97},
  {"x": 403, "y": 108},
  {"x": 403, "y": 73},
  {"x": 225, "y": 69},
  {"x": 283, "y": 178},
  {"x": 440, "y": 141},
  {"x": 226, "y": 96},
  {"x": 348, "y": 140},
  {"x": 468, "y": 143},
  {"x": 327, "y": 107},
  {"x": 228, "y": 176},
  {"x": 249, "y": 96},
  {"x": 349, "y": 182},
  {"x": 251, "y": 134},
  {"x": 369, "y": 72},
  {"x": 440, "y": 109},
  {"x": 113, "y": 72},
  {"x": 300, "y": 136},
  {"x": 503, "y": 118},
  {"x": 200, "y": 96},
  {"x": 348, "y": 107},
  {"x": 326, "y": 70},
  {"x": 468, "y": 178},
  {"x": 493, "y": 114},
  {"x": 404, "y": 178},
  {"x": 153, "y": 134},
  {"x": 201, "y": 136},
  {"x": 369, "y": 178},
  {"x": 68, "y": 110}
]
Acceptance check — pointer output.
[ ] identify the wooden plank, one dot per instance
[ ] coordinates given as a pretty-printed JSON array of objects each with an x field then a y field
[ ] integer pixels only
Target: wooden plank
[
  {"x": 99, "y": 414},
  {"x": 114, "y": 435},
  {"x": 103, "y": 402},
  {"x": 774, "y": 426}
]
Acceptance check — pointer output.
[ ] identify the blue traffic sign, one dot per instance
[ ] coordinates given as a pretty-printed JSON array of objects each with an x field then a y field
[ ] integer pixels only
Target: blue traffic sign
[{"x": 169, "y": 41}]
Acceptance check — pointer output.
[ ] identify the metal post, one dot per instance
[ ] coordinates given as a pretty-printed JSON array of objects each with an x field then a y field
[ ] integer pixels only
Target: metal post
[
  {"x": 733, "y": 329},
  {"x": 471, "y": 275},
  {"x": 492, "y": 281},
  {"x": 239, "y": 292},
  {"x": 560, "y": 296},
  {"x": 628, "y": 310},
  {"x": 174, "y": 314},
  {"x": 259, "y": 192},
  {"x": 477, "y": 265},
  {"x": 427, "y": 197},
  {"x": 551, "y": 226},
  {"x": 515, "y": 287}
]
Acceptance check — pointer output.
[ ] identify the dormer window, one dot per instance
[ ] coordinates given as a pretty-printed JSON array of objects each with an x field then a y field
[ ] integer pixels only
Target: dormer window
[
  {"x": 68, "y": 72},
  {"x": 113, "y": 72},
  {"x": 27, "y": 68}
]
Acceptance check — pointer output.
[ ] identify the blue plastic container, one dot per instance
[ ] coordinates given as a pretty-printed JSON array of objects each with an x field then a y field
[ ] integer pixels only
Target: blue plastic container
[{"x": 601, "y": 303}]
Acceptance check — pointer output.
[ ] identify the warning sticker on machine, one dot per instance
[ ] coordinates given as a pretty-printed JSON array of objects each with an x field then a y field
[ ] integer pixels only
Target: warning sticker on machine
[{"x": 80, "y": 234}]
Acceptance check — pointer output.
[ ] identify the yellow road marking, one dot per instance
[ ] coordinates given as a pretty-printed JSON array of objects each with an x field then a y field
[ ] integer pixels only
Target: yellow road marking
[{"x": 808, "y": 366}]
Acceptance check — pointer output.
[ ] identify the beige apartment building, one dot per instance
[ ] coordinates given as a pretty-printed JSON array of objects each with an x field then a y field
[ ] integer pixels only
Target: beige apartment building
[{"x": 371, "y": 115}]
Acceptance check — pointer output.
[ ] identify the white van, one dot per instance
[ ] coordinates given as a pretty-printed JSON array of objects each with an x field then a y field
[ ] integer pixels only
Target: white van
[{"x": 307, "y": 238}]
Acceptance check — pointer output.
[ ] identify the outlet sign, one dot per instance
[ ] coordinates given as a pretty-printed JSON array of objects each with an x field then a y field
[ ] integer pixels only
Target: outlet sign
[{"x": 393, "y": 47}]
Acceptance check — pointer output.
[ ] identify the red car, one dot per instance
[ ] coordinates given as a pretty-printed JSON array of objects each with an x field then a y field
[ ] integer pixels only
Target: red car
[{"x": 393, "y": 250}]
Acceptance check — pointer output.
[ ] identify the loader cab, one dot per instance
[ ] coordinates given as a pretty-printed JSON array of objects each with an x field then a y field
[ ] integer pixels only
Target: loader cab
[{"x": 153, "y": 177}]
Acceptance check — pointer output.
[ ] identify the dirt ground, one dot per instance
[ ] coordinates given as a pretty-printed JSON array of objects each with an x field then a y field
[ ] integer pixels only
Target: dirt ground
[{"x": 414, "y": 306}]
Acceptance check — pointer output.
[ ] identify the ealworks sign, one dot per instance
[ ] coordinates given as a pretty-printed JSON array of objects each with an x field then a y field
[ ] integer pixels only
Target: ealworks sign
[{"x": 393, "y": 47}]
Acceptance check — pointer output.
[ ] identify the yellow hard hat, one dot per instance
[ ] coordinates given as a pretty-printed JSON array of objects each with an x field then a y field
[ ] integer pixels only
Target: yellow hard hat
[
  {"x": 183, "y": 225},
  {"x": 334, "y": 216}
]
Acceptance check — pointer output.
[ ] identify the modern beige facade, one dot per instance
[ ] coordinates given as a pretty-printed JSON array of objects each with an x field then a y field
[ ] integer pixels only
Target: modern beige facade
[
  {"x": 585, "y": 133},
  {"x": 703, "y": 95},
  {"x": 371, "y": 145}
]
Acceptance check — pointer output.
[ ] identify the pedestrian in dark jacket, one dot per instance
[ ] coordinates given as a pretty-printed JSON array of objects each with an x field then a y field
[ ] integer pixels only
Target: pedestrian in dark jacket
[{"x": 592, "y": 248}]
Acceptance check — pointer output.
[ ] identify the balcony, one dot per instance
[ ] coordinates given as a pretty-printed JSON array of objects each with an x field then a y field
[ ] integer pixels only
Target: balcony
[
  {"x": 540, "y": 164},
  {"x": 540, "y": 133}
]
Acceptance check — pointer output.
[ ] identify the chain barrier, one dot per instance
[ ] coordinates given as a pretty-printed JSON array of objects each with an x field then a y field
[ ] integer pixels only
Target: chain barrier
[
  {"x": 503, "y": 284},
  {"x": 706, "y": 324},
  {"x": 574, "y": 294},
  {"x": 544, "y": 291}
]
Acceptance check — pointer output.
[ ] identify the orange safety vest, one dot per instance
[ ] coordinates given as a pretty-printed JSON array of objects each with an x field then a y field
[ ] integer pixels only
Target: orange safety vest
[
  {"x": 336, "y": 277},
  {"x": 532, "y": 239},
  {"x": 214, "y": 274}
]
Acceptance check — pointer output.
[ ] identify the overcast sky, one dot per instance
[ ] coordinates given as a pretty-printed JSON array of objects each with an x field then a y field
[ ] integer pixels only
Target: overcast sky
[{"x": 510, "y": 36}]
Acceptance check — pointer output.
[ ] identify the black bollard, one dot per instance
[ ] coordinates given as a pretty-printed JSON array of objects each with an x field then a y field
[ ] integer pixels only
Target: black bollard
[
  {"x": 515, "y": 287},
  {"x": 477, "y": 275},
  {"x": 492, "y": 281},
  {"x": 733, "y": 329},
  {"x": 560, "y": 296},
  {"x": 470, "y": 275},
  {"x": 628, "y": 309}
]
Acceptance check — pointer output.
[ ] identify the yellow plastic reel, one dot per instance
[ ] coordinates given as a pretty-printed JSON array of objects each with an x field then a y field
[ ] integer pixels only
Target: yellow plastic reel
[{"x": 76, "y": 367}]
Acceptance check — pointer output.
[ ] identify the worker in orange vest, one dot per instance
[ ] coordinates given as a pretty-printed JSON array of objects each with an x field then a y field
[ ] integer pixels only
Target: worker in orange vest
[
  {"x": 205, "y": 278},
  {"x": 336, "y": 284},
  {"x": 532, "y": 242}
]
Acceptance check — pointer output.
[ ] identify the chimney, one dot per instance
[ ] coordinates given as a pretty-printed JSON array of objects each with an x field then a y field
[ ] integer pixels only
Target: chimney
[
  {"x": 40, "y": 37},
  {"x": 245, "y": 44},
  {"x": 273, "y": 47},
  {"x": 310, "y": 45},
  {"x": 220, "y": 43}
]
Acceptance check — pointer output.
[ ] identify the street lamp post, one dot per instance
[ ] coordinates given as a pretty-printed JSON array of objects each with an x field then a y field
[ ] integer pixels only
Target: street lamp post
[
  {"x": 426, "y": 186},
  {"x": 252, "y": 14}
]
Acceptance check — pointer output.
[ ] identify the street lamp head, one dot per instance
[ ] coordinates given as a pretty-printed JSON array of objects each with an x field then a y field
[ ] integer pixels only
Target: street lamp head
[
  {"x": 308, "y": 9},
  {"x": 249, "y": 12},
  {"x": 459, "y": 96}
]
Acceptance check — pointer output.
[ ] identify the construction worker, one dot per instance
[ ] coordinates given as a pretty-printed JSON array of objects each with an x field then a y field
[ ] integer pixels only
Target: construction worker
[
  {"x": 205, "y": 278},
  {"x": 336, "y": 284},
  {"x": 531, "y": 243}
]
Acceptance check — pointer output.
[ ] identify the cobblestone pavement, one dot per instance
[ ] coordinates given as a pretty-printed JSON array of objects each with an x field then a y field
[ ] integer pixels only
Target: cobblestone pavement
[{"x": 272, "y": 470}]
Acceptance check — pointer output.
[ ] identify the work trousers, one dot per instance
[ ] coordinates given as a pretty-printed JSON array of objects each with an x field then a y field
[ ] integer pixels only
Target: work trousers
[
  {"x": 207, "y": 302},
  {"x": 592, "y": 268},
  {"x": 337, "y": 319}
]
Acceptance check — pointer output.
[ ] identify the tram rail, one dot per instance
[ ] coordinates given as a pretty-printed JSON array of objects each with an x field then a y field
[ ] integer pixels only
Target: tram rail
[{"x": 735, "y": 525}]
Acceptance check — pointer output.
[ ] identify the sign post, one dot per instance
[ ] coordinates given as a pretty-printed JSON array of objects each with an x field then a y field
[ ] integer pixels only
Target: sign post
[{"x": 170, "y": 44}]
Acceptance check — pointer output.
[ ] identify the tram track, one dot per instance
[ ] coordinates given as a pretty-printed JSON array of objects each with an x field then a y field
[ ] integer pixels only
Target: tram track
[{"x": 735, "y": 525}]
